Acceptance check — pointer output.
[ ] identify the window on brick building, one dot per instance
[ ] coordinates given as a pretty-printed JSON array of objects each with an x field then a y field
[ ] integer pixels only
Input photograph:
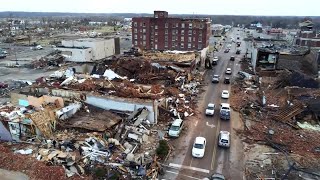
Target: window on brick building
[
  {"x": 190, "y": 25},
  {"x": 201, "y": 26},
  {"x": 166, "y": 44},
  {"x": 199, "y": 46},
  {"x": 144, "y": 24},
  {"x": 182, "y": 32},
  {"x": 135, "y": 30},
  {"x": 135, "y": 36},
  {"x": 166, "y": 31},
  {"x": 200, "y": 39},
  {"x": 156, "y": 33},
  {"x": 189, "y": 39},
  {"x": 189, "y": 45},
  {"x": 182, "y": 25},
  {"x": 140, "y": 23},
  {"x": 156, "y": 27},
  {"x": 144, "y": 37},
  {"x": 135, "y": 24},
  {"x": 166, "y": 25},
  {"x": 200, "y": 33},
  {"x": 156, "y": 40},
  {"x": 144, "y": 30},
  {"x": 194, "y": 32},
  {"x": 136, "y": 43},
  {"x": 190, "y": 32},
  {"x": 173, "y": 38},
  {"x": 173, "y": 44},
  {"x": 182, "y": 39},
  {"x": 177, "y": 24},
  {"x": 173, "y": 31},
  {"x": 182, "y": 45},
  {"x": 144, "y": 43},
  {"x": 194, "y": 38},
  {"x": 166, "y": 38}
]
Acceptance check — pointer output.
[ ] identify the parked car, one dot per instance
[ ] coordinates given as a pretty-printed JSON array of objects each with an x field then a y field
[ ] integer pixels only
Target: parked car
[
  {"x": 232, "y": 58},
  {"x": 215, "y": 60},
  {"x": 176, "y": 128},
  {"x": 225, "y": 111},
  {"x": 199, "y": 147},
  {"x": 3, "y": 85},
  {"x": 226, "y": 80},
  {"x": 224, "y": 139},
  {"x": 210, "y": 109},
  {"x": 225, "y": 94},
  {"x": 228, "y": 71},
  {"x": 215, "y": 79},
  {"x": 238, "y": 51},
  {"x": 216, "y": 176},
  {"x": 226, "y": 50}
]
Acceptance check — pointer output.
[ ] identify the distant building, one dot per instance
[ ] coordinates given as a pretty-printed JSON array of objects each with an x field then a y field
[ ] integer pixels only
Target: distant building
[
  {"x": 162, "y": 32},
  {"x": 307, "y": 36},
  {"x": 88, "y": 50},
  {"x": 217, "y": 30}
]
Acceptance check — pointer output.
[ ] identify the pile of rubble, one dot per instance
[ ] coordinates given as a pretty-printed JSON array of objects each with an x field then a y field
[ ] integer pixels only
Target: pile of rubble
[
  {"x": 53, "y": 59},
  {"x": 61, "y": 128},
  {"x": 278, "y": 115}
]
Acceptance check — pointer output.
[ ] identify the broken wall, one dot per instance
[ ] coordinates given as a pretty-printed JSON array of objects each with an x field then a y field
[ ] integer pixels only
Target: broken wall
[
  {"x": 121, "y": 104},
  {"x": 4, "y": 133},
  {"x": 38, "y": 102}
]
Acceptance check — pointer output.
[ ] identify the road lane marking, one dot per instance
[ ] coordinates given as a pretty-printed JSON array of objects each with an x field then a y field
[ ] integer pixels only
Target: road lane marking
[
  {"x": 210, "y": 125},
  {"x": 182, "y": 175},
  {"x": 179, "y": 166},
  {"x": 196, "y": 123}
]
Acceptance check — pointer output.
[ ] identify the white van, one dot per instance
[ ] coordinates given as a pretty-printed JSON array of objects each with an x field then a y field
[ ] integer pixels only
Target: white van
[
  {"x": 224, "y": 139},
  {"x": 176, "y": 128}
]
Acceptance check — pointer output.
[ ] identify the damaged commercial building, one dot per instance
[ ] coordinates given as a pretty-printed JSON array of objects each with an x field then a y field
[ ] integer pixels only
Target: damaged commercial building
[{"x": 89, "y": 50}]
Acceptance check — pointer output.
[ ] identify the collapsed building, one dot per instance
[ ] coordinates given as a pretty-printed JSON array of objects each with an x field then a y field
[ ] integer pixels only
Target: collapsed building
[
  {"x": 111, "y": 114},
  {"x": 279, "y": 109}
]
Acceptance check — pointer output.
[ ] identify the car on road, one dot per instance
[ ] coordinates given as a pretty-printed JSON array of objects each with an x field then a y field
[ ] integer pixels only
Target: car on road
[
  {"x": 215, "y": 176},
  {"x": 225, "y": 111},
  {"x": 228, "y": 71},
  {"x": 215, "y": 78},
  {"x": 224, "y": 139},
  {"x": 199, "y": 147},
  {"x": 226, "y": 50},
  {"x": 176, "y": 128},
  {"x": 232, "y": 58},
  {"x": 225, "y": 94},
  {"x": 215, "y": 60},
  {"x": 210, "y": 109},
  {"x": 226, "y": 80}
]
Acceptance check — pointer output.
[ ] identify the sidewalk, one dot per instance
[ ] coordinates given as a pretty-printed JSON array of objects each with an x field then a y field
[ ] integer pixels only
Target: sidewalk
[{"x": 12, "y": 175}]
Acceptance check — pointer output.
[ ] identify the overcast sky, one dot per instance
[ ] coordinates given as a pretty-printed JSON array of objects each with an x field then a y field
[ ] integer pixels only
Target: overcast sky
[{"x": 215, "y": 7}]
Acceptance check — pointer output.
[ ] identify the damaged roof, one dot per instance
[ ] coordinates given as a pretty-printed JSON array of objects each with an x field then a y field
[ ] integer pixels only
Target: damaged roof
[{"x": 97, "y": 121}]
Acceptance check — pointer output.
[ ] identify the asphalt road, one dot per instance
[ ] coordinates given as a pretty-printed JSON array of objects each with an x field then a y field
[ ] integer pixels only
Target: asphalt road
[{"x": 216, "y": 159}]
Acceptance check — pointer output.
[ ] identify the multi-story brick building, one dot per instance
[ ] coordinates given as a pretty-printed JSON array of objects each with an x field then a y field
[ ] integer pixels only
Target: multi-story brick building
[
  {"x": 162, "y": 32},
  {"x": 307, "y": 36}
]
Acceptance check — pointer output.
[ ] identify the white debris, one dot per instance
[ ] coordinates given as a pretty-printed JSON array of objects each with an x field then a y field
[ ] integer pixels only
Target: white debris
[
  {"x": 110, "y": 75},
  {"x": 22, "y": 151},
  {"x": 308, "y": 126}
]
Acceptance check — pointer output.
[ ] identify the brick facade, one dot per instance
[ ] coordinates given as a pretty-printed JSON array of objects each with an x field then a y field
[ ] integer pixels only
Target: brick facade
[{"x": 166, "y": 33}]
